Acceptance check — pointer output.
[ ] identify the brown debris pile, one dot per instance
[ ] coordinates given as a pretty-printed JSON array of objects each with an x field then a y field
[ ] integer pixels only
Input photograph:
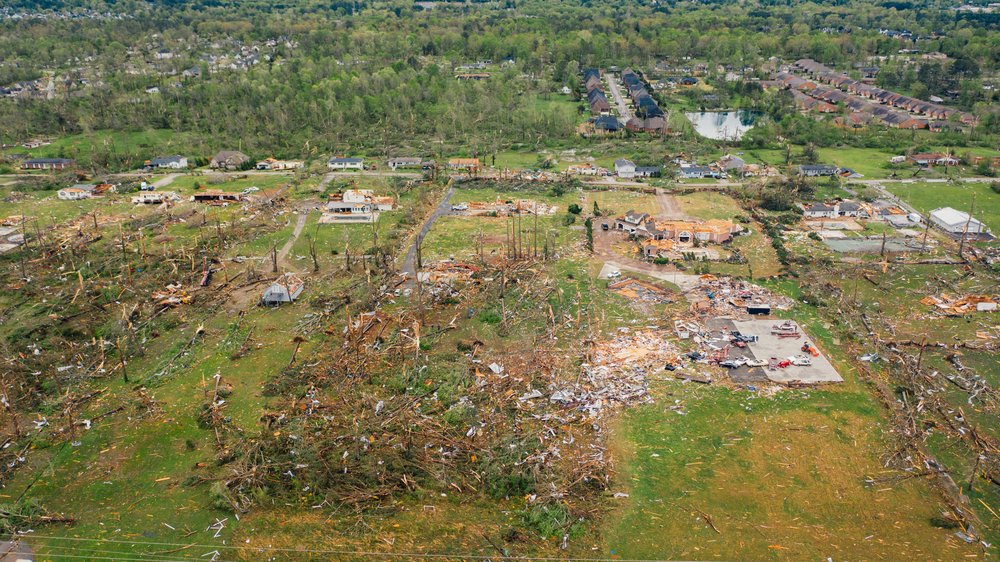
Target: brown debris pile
[
  {"x": 638, "y": 290},
  {"x": 170, "y": 296},
  {"x": 725, "y": 295},
  {"x": 949, "y": 304}
]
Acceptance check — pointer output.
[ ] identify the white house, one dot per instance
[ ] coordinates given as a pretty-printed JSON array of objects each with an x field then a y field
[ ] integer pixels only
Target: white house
[
  {"x": 691, "y": 172},
  {"x": 624, "y": 168},
  {"x": 338, "y": 163},
  {"x": 954, "y": 221},
  {"x": 172, "y": 162},
  {"x": 76, "y": 192},
  {"x": 405, "y": 162},
  {"x": 820, "y": 211}
]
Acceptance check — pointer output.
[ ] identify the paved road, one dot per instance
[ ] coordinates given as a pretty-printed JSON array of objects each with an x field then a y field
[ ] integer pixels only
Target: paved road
[
  {"x": 624, "y": 115},
  {"x": 409, "y": 267}
]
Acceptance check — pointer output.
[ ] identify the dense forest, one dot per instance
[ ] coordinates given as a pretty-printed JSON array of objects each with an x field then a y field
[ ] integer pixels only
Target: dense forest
[{"x": 384, "y": 78}]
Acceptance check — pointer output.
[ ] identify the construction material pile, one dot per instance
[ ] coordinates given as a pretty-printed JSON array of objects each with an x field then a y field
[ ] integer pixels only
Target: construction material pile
[
  {"x": 616, "y": 374},
  {"x": 949, "y": 304},
  {"x": 725, "y": 295},
  {"x": 171, "y": 296},
  {"x": 638, "y": 290}
]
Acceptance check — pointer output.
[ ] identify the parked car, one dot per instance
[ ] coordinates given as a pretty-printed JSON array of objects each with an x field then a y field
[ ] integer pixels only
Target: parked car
[
  {"x": 604, "y": 226},
  {"x": 460, "y": 207},
  {"x": 614, "y": 274}
]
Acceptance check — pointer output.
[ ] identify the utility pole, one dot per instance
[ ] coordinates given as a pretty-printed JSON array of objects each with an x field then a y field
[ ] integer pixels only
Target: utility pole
[{"x": 965, "y": 230}]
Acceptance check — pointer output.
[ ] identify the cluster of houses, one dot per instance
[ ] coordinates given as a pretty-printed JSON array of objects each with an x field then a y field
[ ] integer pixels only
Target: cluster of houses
[
  {"x": 730, "y": 165},
  {"x": 648, "y": 115},
  {"x": 884, "y": 211},
  {"x": 893, "y": 109},
  {"x": 596, "y": 98}
]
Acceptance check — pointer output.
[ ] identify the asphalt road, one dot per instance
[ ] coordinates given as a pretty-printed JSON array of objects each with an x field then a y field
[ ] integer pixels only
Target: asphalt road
[
  {"x": 409, "y": 267},
  {"x": 623, "y": 112}
]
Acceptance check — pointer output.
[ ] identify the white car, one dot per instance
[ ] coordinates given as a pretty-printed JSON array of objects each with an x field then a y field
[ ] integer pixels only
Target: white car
[
  {"x": 756, "y": 363},
  {"x": 460, "y": 207},
  {"x": 614, "y": 274},
  {"x": 250, "y": 190}
]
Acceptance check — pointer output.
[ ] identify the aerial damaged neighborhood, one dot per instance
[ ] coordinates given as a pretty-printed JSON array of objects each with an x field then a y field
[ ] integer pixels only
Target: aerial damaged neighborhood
[{"x": 533, "y": 280}]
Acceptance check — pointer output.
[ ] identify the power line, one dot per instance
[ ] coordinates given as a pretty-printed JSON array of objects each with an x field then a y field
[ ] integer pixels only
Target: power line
[{"x": 360, "y": 553}]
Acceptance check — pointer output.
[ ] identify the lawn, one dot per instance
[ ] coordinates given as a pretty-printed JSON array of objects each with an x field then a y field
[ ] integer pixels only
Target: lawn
[
  {"x": 226, "y": 182},
  {"x": 619, "y": 202},
  {"x": 130, "y": 149},
  {"x": 926, "y": 197},
  {"x": 780, "y": 478},
  {"x": 707, "y": 205}
]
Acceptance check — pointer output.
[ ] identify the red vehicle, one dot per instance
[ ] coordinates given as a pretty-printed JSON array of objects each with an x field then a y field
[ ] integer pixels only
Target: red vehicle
[{"x": 784, "y": 363}]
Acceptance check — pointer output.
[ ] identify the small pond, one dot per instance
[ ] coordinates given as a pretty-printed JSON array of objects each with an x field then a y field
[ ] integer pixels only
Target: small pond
[{"x": 723, "y": 125}]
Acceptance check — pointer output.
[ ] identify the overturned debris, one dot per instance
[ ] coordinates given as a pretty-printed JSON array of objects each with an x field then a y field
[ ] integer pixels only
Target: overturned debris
[
  {"x": 172, "y": 295},
  {"x": 949, "y": 304},
  {"x": 639, "y": 290}
]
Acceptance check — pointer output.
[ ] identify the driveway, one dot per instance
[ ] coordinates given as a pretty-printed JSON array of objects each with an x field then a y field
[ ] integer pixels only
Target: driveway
[{"x": 409, "y": 267}]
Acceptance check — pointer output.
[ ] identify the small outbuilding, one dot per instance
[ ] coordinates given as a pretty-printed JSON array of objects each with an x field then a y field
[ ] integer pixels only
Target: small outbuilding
[{"x": 286, "y": 288}]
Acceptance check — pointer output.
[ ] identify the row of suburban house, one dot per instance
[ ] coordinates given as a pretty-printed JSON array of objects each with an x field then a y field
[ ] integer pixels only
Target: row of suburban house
[
  {"x": 648, "y": 115},
  {"x": 596, "y": 98},
  {"x": 934, "y": 111}
]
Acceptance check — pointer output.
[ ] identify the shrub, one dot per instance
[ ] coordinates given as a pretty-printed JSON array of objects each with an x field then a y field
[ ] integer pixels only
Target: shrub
[{"x": 575, "y": 209}]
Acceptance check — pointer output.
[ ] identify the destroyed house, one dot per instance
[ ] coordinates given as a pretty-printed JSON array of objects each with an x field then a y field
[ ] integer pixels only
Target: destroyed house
[
  {"x": 216, "y": 196},
  {"x": 286, "y": 288},
  {"x": 818, "y": 170}
]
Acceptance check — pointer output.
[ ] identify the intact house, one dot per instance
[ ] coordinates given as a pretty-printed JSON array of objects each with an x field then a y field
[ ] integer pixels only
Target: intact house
[
  {"x": 76, "y": 192},
  {"x": 624, "y": 168},
  {"x": 818, "y": 170},
  {"x": 467, "y": 164},
  {"x": 412, "y": 163},
  {"x": 229, "y": 160},
  {"x": 171, "y": 162},
  {"x": 820, "y": 211},
  {"x": 340, "y": 163},
  {"x": 273, "y": 164},
  {"x": 47, "y": 163},
  {"x": 956, "y": 222},
  {"x": 690, "y": 172},
  {"x": 155, "y": 197}
]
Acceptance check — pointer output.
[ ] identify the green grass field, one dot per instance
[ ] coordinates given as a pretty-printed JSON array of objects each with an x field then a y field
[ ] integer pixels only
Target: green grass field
[{"x": 926, "y": 197}]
